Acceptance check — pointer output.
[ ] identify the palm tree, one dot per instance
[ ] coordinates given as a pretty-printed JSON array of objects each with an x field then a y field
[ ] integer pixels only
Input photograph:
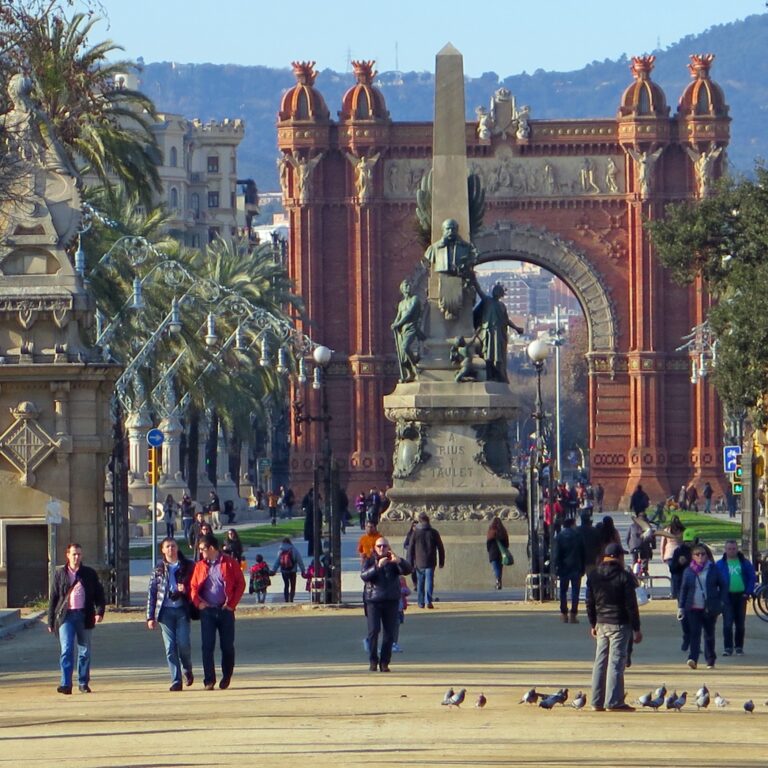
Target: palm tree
[{"x": 104, "y": 128}]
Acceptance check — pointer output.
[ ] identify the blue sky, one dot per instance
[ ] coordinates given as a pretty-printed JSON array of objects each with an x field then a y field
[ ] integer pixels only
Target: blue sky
[{"x": 503, "y": 36}]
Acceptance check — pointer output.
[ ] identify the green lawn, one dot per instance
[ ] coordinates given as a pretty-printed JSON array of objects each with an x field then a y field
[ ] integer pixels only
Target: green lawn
[
  {"x": 251, "y": 537},
  {"x": 712, "y": 530}
]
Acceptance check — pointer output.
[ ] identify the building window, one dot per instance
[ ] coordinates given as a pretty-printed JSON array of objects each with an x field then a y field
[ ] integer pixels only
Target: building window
[
  {"x": 174, "y": 157},
  {"x": 213, "y": 163},
  {"x": 195, "y": 202},
  {"x": 213, "y": 233},
  {"x": 213, "y": 199},
  {"x": 232, "y": 164},
  {"x": 233, "y": 200},
  {"x": 174, "y": 198}
]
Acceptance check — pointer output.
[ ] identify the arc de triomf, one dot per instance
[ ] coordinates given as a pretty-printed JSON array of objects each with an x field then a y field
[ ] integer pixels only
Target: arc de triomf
[{"x": 568, "y": 195}]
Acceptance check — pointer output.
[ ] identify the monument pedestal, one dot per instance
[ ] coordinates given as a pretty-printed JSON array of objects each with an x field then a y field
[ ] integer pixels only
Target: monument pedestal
[{"x": 452, "y": 458}]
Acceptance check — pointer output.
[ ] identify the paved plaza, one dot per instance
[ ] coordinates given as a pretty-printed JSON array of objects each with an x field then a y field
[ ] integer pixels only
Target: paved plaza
[{"x": 302, "y": 692}]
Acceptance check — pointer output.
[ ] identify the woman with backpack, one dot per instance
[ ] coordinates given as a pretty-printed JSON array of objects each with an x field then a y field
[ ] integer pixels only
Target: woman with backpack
[{"x": 289, "y": 563}]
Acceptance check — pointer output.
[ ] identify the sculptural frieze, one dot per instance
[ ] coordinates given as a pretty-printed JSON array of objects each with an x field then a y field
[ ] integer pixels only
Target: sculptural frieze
[
  {"x": 410, "y": 439},
  {"x": 26, "y": 444},
  {"x": 400, "y": 512}
]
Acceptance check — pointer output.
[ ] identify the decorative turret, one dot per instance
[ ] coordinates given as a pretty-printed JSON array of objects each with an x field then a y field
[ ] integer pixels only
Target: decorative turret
[
  {"x": 702, "y": 97},
  {"x": 303, "y": 101},
  {"x": 363, "y": 101},
  {"x": 643, "y": 98}
]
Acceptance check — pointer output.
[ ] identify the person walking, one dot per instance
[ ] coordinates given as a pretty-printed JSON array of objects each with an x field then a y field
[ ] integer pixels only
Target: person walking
[
  {"x": 360, "y": 505},
  {"x": 288, "y": 563},
  {"x": 232, "y": 546},
  {"x": 216, "y": 588},
  {"x": 75, "y": 605},
  {"x": 614, "y": 619},
  {"x": 187, "y": 507},
  {"x": 638, "y": 501},
  {"x": 569, "y": 559},
  {"x": 381, "y": 574},
  {"x": 592, "y": 544},
  {"x": 496, "y": 541},
  {"x": 214, "y": 510},
  {"x": 739, "y": 574},
  {"x": 425, "y": 552},
  {"x": 702, "y": 593},
  {"x": 367, "y": 541},
  {"x": 272, "y": 501},
  {"x": 671, "y": 539},
  {"x": 168, "y": 604},
  {"x": 707, "y": 493},
  {"x": 169, "y": 515}
]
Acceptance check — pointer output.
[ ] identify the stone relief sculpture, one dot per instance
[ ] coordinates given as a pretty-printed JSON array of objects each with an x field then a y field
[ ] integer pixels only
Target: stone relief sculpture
[
  {"x": 303, "y": 168},
  {"x": 645, "y": 162},
  {"x": 587, "y": 176},
  {"x": 704, "y": 164},
  {"x": 407, "y": 332},
  {"x": 363, "y": 174},
  {"x": 610, "y": 176},
  {"x": 483, "y": 124},
  {"x": 410, "y": 439}
]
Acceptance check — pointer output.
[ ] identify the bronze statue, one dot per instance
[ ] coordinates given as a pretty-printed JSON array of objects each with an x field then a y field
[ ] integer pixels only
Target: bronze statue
[
  {"x": 407, "y": 331},
  {"x": 450, "y": 254},
  {"x": 462, "y": 353},
  {"x": 491, "y": 321}
]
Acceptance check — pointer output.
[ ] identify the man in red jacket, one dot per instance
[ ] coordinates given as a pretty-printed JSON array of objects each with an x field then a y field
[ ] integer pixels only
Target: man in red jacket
[{"x": 217, "y": 586}]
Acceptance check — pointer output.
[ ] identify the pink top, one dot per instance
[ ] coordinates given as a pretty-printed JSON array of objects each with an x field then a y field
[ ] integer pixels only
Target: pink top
[{"x": 77, "y": 595}]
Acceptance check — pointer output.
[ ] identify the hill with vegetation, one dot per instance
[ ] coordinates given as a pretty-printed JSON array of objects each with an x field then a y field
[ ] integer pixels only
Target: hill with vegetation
[{"x": 253, "y": 93}]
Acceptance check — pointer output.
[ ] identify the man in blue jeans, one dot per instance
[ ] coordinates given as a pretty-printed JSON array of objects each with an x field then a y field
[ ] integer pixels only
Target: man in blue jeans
[
  {"x": 739, "y": 574},
  {"x": 217, "y": 586},
  {"x": 425, "y": 553},
  {"x": 614, "y": 618},
  {"x": 75, "y": 606}
]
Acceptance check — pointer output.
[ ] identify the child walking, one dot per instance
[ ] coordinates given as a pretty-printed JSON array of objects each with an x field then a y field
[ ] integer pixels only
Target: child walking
[{"x": 259, "y": 579}]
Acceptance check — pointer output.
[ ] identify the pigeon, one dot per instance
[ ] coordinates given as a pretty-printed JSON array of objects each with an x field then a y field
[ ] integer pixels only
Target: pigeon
[
  {"x": 481, "y": 701},
  {"x": 579, "y": 701},
  {"x": 702, "y": 701},
  {"x": 456, "y": 699},
  {"x": 447, "y": 697},
  {"x": 749, "y": 706},
  {"x": 669, "y": 702},
  {"x": 645, "y": 699},
  {"x": 680, "y": 701},
  {"x": 562, "y": 694},
  {"x": 548, "y": 702},
  {"x": 720, "y": 701},
  {"x": 529, "y": 697},
  {"x": 660, "y": 691},
  {"x": 702, "y": 691},
  {"x": 654, "y": 704}
]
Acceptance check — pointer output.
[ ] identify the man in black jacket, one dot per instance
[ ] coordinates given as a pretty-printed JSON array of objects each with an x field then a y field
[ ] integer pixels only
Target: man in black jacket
[
  {"x": 614, "y": 618},
  {"x": 75, "y": 606},
  {"x": 425, "y": 552},
  {"x": 569, "y": 555}
]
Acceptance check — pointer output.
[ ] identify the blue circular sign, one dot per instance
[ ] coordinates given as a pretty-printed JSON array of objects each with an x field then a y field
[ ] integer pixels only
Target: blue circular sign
[{"x": 155, "y": 438}]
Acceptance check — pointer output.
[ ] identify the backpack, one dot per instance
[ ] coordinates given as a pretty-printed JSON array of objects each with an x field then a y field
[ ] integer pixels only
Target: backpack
[{"x": 286, "y": 560}]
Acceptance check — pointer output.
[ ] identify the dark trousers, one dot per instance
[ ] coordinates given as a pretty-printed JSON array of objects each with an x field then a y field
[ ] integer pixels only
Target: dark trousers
[
  {"x": 734, "y": 617},
  {"x": 289, "y": 585},
  {"x": 381, "y": 615},
  {"x": 574, "y": 580},
  {"x": 213, "y": 620},
  {"x": 699, "y": 622}
]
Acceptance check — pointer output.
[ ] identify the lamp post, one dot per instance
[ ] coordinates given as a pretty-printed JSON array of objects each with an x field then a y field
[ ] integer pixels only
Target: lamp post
[
  {"x": 538, "y": 351},
  {"x": 322, "y": 357}
]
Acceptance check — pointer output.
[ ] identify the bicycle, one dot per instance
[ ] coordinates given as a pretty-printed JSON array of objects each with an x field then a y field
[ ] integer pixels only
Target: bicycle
[{"x": 760, "y": 602}]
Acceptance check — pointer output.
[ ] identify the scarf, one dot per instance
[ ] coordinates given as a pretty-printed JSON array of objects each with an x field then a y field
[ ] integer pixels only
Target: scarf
[{"x": 698, "y": 567}]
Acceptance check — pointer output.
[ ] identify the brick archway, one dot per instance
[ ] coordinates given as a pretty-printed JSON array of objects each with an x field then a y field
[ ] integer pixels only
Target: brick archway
[{"x": 537, "y": 246}]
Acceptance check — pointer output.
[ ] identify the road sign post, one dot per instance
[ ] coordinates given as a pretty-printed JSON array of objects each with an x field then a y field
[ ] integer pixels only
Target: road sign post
[
  {"x": 154, "y": 440},
  {"x": 731, "y": 454}
]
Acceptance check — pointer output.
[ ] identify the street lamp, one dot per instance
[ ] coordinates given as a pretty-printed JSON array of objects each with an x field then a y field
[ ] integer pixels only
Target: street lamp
[
  {"x": 538, "y": 351},
  {"x": 322, "y": 357}
]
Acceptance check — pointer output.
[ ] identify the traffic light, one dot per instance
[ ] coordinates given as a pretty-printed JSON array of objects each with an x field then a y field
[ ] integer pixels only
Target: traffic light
[
  {"x": 738, "y": 487},
  {"x": 738, "y": 473},
  {"x": 153, "y": 465}
]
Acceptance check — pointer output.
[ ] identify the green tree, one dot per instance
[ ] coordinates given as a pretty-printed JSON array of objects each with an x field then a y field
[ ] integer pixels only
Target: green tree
[
  {"x": 724, "y": 240},
  {"x": 103, "y": 127}
]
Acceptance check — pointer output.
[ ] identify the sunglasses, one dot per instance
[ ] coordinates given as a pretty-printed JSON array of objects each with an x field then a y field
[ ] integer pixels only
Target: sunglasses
[{"x": 382, "y": 546}]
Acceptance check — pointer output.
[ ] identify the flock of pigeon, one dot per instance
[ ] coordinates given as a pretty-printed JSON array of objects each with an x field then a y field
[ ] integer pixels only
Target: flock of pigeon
[{"x": 655, "y": 700}]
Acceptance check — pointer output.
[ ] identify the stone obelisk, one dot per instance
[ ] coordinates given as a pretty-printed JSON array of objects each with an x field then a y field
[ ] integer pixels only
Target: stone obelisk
[{"x": 451, "y": 456}]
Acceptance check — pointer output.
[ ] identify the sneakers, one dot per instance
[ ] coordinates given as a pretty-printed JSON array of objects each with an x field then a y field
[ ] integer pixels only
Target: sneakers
[
  {"x": 189, "y": 678},
  {"x": 692, "y": 664},
  {"x": 84, "y": 688},
  {"x": 598, "y": 709},
  {"x": 176, "y": 687},
  {"x": 728, "y": 652},
  {"x": 739, "y": 652},
  {"x": 396, "y": 648},
  {"x": 65, "y": 689},
  {"x": 621, "y": 708},
  {"x": 711, "y": 666},
  {"x": 210, "y": 686}
]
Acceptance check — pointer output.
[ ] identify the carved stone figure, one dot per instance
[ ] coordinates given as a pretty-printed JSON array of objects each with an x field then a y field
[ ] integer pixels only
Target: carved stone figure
[
  {"x": 645, "y": 164},
  {"x": 491, "y": 321},
  {"x": 587, "y": 176},
  {"x": 407, "y": 331},
  {"x": 450, "y": 254},
  {"x": 483, "y": 124},
  {"x": 523, "y": 128},
  {"x": 462, "y": 353},
  {"x": 610, "y": 176},
  {"x": 303, "y": 168},
  {"x": 704, "y": 164},
  {"x": 363, "y": 174}
]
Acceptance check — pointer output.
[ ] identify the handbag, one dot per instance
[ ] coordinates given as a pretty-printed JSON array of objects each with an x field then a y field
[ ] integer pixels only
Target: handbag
[
  {"x": 643, "y": 597},
  {"x": 506, "y": 555}
]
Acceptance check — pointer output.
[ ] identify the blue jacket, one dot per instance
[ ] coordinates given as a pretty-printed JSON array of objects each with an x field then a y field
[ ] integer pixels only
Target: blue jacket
[
  {"x": 716, "y": 585},
  {"x": 747, "y": 573}
]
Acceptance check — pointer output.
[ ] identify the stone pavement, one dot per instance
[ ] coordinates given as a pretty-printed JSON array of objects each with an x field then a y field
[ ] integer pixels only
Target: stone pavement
[{"x": 302, "y": 693}]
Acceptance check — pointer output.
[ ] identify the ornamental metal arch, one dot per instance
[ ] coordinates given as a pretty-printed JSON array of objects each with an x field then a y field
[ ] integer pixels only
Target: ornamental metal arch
[{"x": 539, "y": 246}]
